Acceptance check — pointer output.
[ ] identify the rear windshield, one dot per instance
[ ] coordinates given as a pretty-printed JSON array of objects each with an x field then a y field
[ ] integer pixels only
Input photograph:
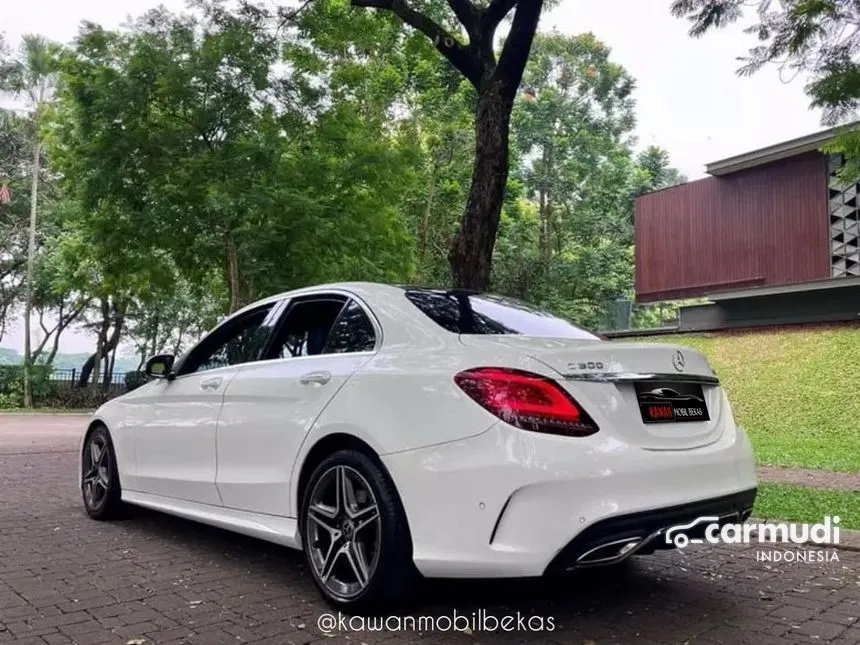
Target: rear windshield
[{"x": 468, "y": 313}]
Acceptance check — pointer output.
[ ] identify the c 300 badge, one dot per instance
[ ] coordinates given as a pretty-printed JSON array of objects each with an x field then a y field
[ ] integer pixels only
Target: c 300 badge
[{"x": 591, "y": 365}]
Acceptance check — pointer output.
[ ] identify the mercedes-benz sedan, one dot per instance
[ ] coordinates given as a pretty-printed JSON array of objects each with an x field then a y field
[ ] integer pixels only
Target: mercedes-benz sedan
[{"x": 392, "y": 431}]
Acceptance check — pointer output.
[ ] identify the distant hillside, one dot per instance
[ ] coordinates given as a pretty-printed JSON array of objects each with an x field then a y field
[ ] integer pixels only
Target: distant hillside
[{"x": 68, "y": 361}]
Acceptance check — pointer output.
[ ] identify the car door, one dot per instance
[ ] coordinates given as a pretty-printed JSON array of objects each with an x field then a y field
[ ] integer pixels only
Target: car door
[
  {"x": 176, "y": 441},
  {"x": 270, "y": 405}
]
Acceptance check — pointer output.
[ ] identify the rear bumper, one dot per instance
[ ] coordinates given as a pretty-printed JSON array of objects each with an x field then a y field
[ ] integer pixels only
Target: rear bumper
[
  {"x": 616, "y": 538},
  {"x": 509, "y": 503}
]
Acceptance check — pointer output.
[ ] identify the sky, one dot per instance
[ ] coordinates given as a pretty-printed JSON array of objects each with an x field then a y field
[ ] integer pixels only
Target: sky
[{"x": 690, "y": 100}]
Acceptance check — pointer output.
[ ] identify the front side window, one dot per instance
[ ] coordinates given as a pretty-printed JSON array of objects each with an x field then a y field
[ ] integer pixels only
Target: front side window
[
  {"x": 240, "y": 341},
  {"x": 463, "y": 312}
]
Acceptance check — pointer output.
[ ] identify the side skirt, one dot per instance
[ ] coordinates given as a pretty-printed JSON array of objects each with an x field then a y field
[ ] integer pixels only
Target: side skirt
[{"x": 280, "y": 530}]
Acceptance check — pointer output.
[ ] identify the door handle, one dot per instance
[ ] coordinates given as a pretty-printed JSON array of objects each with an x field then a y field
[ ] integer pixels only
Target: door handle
[
  {"x": 212, "y": 383},
  {"x": 315, "y": 378}
]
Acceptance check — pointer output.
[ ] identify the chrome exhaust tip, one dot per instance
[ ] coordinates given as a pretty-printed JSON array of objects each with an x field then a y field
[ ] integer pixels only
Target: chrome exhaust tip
[{"x": 609, "y": 552}]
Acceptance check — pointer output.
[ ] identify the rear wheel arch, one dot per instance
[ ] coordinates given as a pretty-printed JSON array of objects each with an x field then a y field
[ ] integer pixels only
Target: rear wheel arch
[
  {"x": 394, "y": 574},
  {"x": 325, "y": 446},
  {"x": 330, "y": 444}
]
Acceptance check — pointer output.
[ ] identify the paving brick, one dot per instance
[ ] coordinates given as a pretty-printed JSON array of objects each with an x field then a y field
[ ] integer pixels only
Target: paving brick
[
  {"x": 820, "y": 630},
  {"x": 67, "y": 579}
]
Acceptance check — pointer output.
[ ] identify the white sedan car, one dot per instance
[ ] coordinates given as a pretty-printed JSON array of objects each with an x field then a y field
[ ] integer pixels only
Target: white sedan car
[{"x": 392, "y": 431}]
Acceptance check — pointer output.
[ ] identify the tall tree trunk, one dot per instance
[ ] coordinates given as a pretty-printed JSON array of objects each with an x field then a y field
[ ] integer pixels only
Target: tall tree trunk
[
  {"x": 428, "y": 213},
  {"x": 91, "y": 370},
  {"x": 65, "y": 321},
  {"x": 108, "y": 379},
  {"x": 472, "y": 249},
  {"x": 54, "y": 348},
  {"x": 233, "y": 285},
  {"x": 543, "y": 242},
  {"x": 31, "y": 253},
  {"x": 112, "y": 343},
  {"x": 101, "y": 342}
]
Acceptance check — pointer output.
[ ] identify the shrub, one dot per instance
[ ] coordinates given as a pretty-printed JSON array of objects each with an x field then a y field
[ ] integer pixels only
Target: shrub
[
  {"x": 47, "y": 393},
  {"x": 134, "y": 380},
  {"x": 78, "y": 398}
]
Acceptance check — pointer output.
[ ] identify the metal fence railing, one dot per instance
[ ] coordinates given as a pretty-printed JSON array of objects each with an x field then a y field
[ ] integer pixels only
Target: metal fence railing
[
  {"x": 623, "y": 315},
  {"x": 71, "y": 377}
]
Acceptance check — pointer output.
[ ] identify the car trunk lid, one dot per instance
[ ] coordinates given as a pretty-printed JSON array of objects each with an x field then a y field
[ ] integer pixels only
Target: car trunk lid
[{"x": 604, "y": 378}]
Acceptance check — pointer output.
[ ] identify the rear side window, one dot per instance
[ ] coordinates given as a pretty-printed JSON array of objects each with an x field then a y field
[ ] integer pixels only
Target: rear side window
[
  {"x": 463, "y": 312},
  {"x": 353, "y": 332}
]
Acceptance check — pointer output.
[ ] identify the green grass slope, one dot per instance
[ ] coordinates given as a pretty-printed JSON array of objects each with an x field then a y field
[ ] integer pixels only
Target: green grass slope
[
  {"x": 796, "y": 391},
  {"x": 796, "y": 504}
]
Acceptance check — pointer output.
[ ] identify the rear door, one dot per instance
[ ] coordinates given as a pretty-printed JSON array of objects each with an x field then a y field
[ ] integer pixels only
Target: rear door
[{"x": 269, "y": 407}]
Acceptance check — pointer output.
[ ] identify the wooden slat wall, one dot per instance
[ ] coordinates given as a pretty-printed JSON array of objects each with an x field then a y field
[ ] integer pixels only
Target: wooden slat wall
[{"x": 759, "y": 227}]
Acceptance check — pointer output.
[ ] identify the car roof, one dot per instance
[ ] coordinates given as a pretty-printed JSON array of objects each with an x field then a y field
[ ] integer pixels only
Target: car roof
[{"x": 365, "y": 290}]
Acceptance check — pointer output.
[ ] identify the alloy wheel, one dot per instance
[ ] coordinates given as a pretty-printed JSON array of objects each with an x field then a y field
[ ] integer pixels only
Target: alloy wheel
[
  {"x": 96, "y": 471},
  {"x": 343, "y": 531}
]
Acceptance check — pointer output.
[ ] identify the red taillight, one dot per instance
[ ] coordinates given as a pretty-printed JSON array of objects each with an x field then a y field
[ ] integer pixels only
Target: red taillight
[{"x": 525, "y": 400}]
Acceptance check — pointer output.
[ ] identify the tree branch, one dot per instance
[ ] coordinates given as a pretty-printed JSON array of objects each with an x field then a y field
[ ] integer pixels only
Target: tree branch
[
  {"x": 461, "y": 57},
  {"x": 289, "y": 16},
  {"x": 467, "y": 14},
  {"x": 496, "y": 12},
  {"x": 515, "y": 54}
]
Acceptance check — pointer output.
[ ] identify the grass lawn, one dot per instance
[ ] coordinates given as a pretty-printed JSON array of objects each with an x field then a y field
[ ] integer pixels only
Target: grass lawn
[
  {"x": 797, "y": 504},
  {"x": 797, "y": 392},
  {"x": 46, "y": 411}
]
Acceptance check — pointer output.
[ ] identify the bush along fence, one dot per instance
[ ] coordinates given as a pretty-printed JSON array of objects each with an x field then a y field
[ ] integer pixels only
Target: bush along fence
[{"x": 60, "y": 388}]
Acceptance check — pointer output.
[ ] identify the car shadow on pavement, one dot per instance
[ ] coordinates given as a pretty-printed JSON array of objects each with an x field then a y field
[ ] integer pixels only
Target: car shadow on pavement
[{"x": 607, "y": 595}]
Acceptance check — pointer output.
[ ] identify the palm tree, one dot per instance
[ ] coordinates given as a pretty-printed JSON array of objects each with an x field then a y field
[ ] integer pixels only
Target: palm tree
[{"x": 31, "y": 76}]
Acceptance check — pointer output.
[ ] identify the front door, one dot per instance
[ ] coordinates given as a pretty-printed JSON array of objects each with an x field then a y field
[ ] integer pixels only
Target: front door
[
  {"x": 175, "y": 440},
  {"x": 270, "y": 405}
]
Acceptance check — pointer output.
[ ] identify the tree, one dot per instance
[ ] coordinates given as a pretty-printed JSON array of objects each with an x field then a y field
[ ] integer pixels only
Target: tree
[
  {"x": 654, "y": 163},
  {"x": 818, "y": 37},
  {"x": 496, "y": 80},
  {"x": 571, "y": 129},
  {"x": 188, "y": 147},
  {"x": 32, "y": 75},
  {"x": 15, "y": 147},
  {"x": 567, "y": 245}
]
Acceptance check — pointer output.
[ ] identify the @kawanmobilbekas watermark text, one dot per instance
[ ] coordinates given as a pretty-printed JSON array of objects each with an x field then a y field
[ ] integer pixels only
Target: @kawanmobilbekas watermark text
[
  {"x": 710, "y": 530},
  {"x": 475, "y": 621}
]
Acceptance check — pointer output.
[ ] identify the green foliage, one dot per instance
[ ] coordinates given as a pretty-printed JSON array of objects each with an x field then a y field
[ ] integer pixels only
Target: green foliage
[
  {"x": 820, "y": 38},
  {"x": 15, "y": 154},
  {"x": 567, "y": 244},
  {"x": 810, "y": 505},
  {"x": 203, "y": 160},
  {"x": 656, "y": 171},
  {"x": 793, "y": 391},
  {"x": 181, "y": 136},
  {"x": 12, "y": 385}
]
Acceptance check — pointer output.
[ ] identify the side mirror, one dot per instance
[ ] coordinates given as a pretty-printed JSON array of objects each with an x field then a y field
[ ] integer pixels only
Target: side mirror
[{"x": 159, "y": 366}]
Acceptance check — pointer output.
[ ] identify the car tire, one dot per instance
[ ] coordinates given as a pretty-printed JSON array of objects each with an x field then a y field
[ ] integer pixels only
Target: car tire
[
  {"x": 338, "y": 537},
  {"x": 100, "y": 487}
]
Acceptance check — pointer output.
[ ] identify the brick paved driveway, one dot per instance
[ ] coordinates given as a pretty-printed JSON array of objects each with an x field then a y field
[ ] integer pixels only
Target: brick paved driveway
[{"x": 67, "y": 579}]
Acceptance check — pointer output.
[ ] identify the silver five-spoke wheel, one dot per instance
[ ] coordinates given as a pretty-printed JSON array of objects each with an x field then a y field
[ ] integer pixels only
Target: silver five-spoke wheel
[
  {"x": 100, "y": 486},
  {"x": 343, "y": 531},
  {"x": 96, "y": 471}
]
